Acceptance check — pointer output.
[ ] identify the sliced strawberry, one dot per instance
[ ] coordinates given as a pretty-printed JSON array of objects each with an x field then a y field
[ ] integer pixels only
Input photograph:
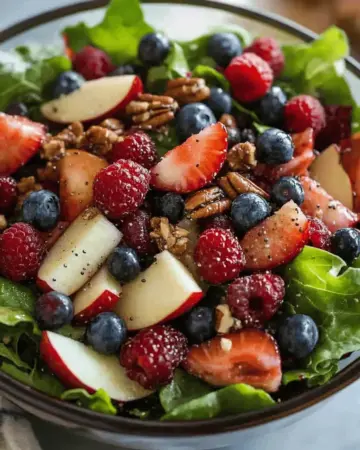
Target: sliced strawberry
[
  {"x": 350, "y": 159},
  {"x": 276, "y": 240},
  {"x": 250, "y": 356},
  {"x": 194, "y": 163},
  {"x": 319, "y": 204},
  {"x": 20, "y": 139},
  {"x": 50, "y": 237},
  {"x": 298, "y": 165},
  {"x": 77, "y": 171},
  {"x": 69, "y": 52}
]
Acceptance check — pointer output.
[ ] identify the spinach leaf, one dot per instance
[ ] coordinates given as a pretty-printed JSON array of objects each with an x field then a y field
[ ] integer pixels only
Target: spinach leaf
[
  {"x": 16, "y": 296},
  {"x": 165, "y": 141},
  {"x": 212, "y": 76},
  {"x": 226, "y": 401},
  {"x": 182, "y": 389},
  {"x": 242, "y": 109},
  {"x": 76, "y": 333},
  {"x": 100, "y": 401},
  {"x": 41, "y": 381},
  {"x": 25, "y": 73},
  {"x": 12, "y": 356},
  {"x": 320, "y": 285},
  {"x": 118, "y": 34}
]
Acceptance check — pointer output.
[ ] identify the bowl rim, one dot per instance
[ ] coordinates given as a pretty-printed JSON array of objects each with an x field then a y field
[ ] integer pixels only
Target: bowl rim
[{"x": 66, "y": 412}]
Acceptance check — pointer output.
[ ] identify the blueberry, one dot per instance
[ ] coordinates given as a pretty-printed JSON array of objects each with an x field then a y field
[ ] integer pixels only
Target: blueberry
[
  {"x": 223, "y": 47},
  {"x": 274, "y": 147},
  {"x": 123, "y": 264},
  {"x": 66, "y": 83},
  {"x": 41, "y": 209},
  {"x": 124, "y": 69},
  {"x": 234, "y": 136},
  {"x": 53, "y": 310},
  {"x": 198, "y": 325},
  {"x": 248, "y": 210},
  {"x": 286, "y": 189},
  {"x": 17, "y": 109},
  {"x": 248, "y": 135},
  {"x": 219, "y": 102},
  {"x": 106, "y": 333},
  {"x": 171, "y": 206},
  {"x": 153, "y": 49},
  {"x": 271, "y": 107},
  {"x": 298, "y": 335},
  {"x": 346, "y": 244},
  {"x": 192, "y": 119}
]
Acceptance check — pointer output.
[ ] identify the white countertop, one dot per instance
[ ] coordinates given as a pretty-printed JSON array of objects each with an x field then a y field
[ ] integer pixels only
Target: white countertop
[{"x": 334, "y": 427}]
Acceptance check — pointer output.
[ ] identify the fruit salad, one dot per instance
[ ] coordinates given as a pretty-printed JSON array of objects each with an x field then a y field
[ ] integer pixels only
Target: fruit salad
[{"x": 178, "y": 219}]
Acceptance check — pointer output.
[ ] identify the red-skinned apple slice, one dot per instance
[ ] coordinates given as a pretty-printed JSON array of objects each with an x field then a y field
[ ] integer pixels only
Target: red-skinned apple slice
[
  {"x": 318, "y": 203},
  {"x": 350, "y": 158},
  {"x": 162, "y": 292},
  {"x": 100, "y": 294},
  {"x": 79, "y": 366},
  {"x": 79, "y": 253},
  {"x": 276, "y": 240},
  {"x": 329, "y": 172},
  {"x": 95, "y": 100}
]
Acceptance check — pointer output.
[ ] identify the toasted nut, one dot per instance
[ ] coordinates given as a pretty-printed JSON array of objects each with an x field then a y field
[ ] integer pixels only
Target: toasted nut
[
  {"x": 225, "y": 344},
  {"x": 242, "y": 157},
  {"x": 207, "y": 202},
  {"x": 235, "y": 184},
  {"x": 168, "y": 236},
  {"x": 188, "y": 90},
  {"x": 223, "y": 319},
  {"x": 3, "y": 222}
]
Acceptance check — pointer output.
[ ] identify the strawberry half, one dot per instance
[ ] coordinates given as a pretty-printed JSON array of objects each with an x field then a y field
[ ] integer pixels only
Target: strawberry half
[
  {"x": 20, "y": 139},
  {"x": 298, "y": 165},
  {"x": 194, "y": 163},
  {"x": 77, "y": 171},
  {"x": 276, "y": 240},
  {"x": 250, "y": 356},
  {"x": 319, "y": 204}
]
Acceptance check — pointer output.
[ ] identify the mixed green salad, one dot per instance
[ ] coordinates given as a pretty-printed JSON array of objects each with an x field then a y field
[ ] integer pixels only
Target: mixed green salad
[{"x": 227, "y": 160}]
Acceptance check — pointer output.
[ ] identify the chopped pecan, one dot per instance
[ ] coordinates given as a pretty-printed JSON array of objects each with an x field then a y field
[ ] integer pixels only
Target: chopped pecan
[
  {"x": 25, "y": 187},
  {"x": 169, "y": 237},
  {"x": 3, "y": 222},
  {"x": 99, "y": 140},
  {"x": 242, "y": 157},
  {"x": 224, "y": 321},
  {"x": 54, "y": 147},
  {"x": 151, "y": 111},
  {"x": 228, "y": 120},
  {"x": 207, "y": 202},
  {"x": 188, "y": 90},
  {"x": 234, "y": 184},
  {"x": 50, "y": 172},
  {"x": 114, "y": 125}
]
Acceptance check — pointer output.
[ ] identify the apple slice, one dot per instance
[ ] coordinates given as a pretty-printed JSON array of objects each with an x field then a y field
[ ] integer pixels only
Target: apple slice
[
  {"x": 95, "y": 100},
  {"x": 163, "y": 292},
  {"x": 98, "y": 295},
  {"x": 79, "y": 366},
  {"x": 77, "y": 171},
  {"x": 350, "y": 158},
  {"x": 79, "y": 253},
  {"x": 327, "y": 169}
]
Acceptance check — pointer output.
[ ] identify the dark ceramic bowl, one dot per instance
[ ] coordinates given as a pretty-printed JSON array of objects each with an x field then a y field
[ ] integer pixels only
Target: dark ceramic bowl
[{"x": 215, "y": 433}]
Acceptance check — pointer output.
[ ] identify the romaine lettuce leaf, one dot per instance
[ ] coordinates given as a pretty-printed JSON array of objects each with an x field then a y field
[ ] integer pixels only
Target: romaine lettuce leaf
[
  {"x": 321, "y": 285},
  {"x": 230, "y": 400},
  {"x": 99, "y": 401},
  {"x": 212, "y": 76},
  {"x": 118, "y": 34},
  {"x": 16, "y": 296}
]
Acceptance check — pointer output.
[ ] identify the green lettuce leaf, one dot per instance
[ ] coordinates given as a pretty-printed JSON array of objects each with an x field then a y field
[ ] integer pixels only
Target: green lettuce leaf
[
  {"x": 16, "y": 296},
  {"x": 165, "y": 141},
  {"x": 118, "y": 34},
  {"x": 76, "y": 333},
  {"x": 230, "y": 400},
  {"x": 6, "y": 352},
  {"x": 320, "y": 285},
  {"x": 312, "y": 378},
  {"x": 25, "y": 73},
  {"x": 99, "y": 401},
  {"x": 242, "y": 109},
  {"x": 212, "y": 76},
  {"x": 182, "y": 389}
]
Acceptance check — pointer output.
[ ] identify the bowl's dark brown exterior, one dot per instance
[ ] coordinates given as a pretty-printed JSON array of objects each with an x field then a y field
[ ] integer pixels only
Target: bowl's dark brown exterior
[{"x": 72, "y": 416}]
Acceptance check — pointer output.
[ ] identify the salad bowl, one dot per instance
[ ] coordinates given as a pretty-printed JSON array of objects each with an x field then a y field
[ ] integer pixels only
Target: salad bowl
[{"x": 200, "y": 15}]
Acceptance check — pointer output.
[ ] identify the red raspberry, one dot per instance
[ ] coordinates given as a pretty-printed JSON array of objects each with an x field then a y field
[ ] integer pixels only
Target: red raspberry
[
  {"x": 136, "y": 230},
  {"x": 151, "y": 357},
  {"x": 218, "y": 256},
  {"x": 120, "y": 188},
  {"x": 21, "y": 252},
  {"x": 304, "y": 111},
  {"x": 138, "y": 147},
  {"x": 256, "y": 298},
  {"x": 8, "y": 194},
  {"x": 270, "y": 51},
  {"x": 92, "y": 63},
  {"x": 250, "y": 77},
  {"x": 319, "y": 234},
  {"x": 338, "y": 126},
  {"x": 221, "y": 221}
]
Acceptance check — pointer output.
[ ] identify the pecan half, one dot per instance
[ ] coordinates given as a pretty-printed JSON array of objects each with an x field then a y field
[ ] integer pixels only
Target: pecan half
[
  {"x": 242, "y": 157},
  {"x": 235, "y": 184},
  {"x": 99, "y": 140},
  {"x": 169, "y": 237},
  {"x": 188, "y": 90},
  {"x": 114, "y": 125},
  {"x": 54, "y": 146},
  {"x": 151, "y": 111},
  {"x": 207, "y": 202}
]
